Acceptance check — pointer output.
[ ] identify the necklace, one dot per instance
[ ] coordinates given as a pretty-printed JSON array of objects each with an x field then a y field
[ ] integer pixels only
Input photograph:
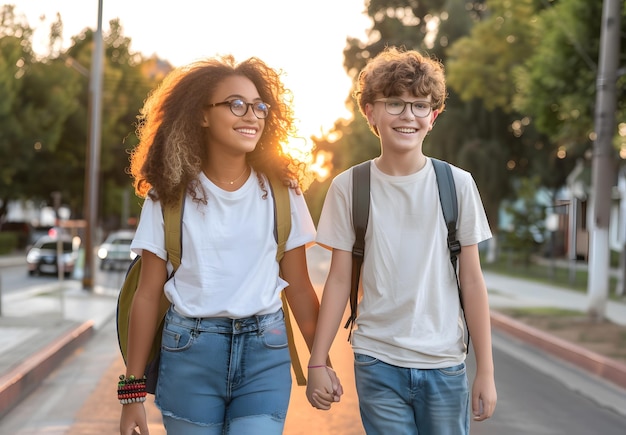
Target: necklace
[{"x": 233, "y": 181}]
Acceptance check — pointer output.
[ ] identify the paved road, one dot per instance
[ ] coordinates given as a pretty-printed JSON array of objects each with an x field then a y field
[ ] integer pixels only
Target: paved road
[{"x": 538, "y": 394}]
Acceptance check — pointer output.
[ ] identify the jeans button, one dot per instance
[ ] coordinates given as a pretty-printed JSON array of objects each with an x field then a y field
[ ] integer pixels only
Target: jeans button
[{"x": 237, "y": 326}]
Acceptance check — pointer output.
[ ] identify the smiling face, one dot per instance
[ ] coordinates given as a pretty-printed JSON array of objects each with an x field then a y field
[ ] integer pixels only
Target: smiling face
[
  {"x": 227, "y": 132},
  {"x": 402, "y": 132}
]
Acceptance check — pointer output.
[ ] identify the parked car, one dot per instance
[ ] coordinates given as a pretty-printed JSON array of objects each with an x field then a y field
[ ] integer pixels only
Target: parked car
[
  {"x": 42, "y": 256},
  {"x": 115, "y": 252}
]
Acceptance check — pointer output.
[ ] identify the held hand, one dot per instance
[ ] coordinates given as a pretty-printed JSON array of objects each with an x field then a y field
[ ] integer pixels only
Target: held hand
[
  {"x": 323, "y": 387},
  {"x": 133, "y": 416},
  {"x": 337, "y": 388}
]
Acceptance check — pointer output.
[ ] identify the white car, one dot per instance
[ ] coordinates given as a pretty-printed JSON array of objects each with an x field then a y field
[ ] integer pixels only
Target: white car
[
  {"x": 115, "y": 252},
  {"x": 42, "y": 257}
]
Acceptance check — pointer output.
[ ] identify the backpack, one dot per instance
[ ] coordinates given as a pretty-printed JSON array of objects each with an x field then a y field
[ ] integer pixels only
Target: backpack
[
  {"x": 172, "y": 217},
  {"x": 360, "y": 216}
]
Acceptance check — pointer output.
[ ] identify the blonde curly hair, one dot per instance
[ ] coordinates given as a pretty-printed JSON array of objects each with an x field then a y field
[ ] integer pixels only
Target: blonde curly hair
[{"x": 172, "y": 142}]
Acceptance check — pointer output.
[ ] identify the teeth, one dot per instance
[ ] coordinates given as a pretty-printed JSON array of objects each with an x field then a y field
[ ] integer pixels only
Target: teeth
[
  {"x": 247, "y": 130},
  {"x": 406, "y": 130}
]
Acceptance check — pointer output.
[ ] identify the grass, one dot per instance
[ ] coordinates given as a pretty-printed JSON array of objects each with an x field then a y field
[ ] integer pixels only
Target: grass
[{"x": 511, "y": 265}]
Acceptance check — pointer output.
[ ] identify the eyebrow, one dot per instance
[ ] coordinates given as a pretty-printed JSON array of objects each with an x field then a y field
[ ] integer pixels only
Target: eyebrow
[{"x": 241, "y": 97}]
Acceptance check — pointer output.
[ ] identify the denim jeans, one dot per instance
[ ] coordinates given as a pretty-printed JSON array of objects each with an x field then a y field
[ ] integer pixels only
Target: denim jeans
[
  {"x": 224, "y": 376},
  {"x": 405, "y": 401}
]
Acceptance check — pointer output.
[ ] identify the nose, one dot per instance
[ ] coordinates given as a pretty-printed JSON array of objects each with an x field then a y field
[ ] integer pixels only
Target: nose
[
  {"x": 407, "y": 113},
  {"x": 249, "y": 112}
]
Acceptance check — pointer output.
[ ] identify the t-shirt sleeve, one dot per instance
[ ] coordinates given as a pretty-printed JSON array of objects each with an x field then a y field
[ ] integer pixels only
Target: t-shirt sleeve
[
  {"x": 302, "y": 227},
  {"x": 473, "y": 226},
  {"x": 150, "y": 234},
  {"x": 334, "y": 230}
]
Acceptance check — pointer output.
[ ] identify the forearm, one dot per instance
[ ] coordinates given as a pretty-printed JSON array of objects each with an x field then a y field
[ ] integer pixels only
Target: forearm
[
  {"x": 305, "y": 308},
  {"x": 334, "y": 301},
  {"x": 476, "y": 306},
  {"x": 141, "y": 332}
]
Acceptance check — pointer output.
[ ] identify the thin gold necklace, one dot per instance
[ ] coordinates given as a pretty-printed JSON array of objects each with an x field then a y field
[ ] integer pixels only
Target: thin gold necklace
[{"x": 235, "y": 180}]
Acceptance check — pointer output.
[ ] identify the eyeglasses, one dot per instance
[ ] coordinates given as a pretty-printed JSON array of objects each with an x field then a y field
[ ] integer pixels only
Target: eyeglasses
[
  {"x": 239, "y": 107},
  {"x": 397, "y": 106}
]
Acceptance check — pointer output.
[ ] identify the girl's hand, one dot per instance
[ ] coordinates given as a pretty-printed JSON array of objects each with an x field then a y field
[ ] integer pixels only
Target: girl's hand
[
  {"x": 293, "y": 184},
  {"x": 323, "y": 387},
  {"x": 133, "y": 416}
]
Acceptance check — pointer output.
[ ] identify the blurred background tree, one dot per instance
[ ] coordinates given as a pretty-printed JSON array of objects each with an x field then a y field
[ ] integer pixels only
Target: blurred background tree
[
  {"x": 521, "y": 80},
  {"x": 44, "y": 117}
]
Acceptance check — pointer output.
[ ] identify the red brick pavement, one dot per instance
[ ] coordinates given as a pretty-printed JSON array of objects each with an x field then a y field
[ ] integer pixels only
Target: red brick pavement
[{"x": 101, "y": 411}]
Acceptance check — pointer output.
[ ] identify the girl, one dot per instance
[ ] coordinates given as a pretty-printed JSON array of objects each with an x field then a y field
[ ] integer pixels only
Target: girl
[{"x": 215, "y": 128}]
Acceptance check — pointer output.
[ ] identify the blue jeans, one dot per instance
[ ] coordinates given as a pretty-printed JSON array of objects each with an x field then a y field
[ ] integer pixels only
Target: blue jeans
[
  {"x": 404, "y": 401},
  {"x": 224, "y": 376}
]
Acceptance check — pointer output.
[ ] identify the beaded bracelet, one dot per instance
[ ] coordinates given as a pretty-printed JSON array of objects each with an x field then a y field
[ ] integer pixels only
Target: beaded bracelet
[{"x": 131, "y": 390}]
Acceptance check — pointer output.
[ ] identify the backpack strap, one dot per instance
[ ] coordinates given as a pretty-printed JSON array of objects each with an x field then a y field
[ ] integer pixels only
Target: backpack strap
[
  {"x": 282, "y": 227},
  {"x": 450, "y": 208},
  {"x": 173, "y": 222},
  {"x": 360, "y": 216}
]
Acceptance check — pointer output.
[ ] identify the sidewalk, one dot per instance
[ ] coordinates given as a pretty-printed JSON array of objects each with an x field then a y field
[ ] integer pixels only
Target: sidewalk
[{"x": 39, "y": 330}]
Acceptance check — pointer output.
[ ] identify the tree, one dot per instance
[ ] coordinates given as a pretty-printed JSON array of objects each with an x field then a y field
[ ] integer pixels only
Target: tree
[
  {"x": 38, "y": 98},
  {"x": 556, "y": 84},
  {"x": 43, "y": 115}
]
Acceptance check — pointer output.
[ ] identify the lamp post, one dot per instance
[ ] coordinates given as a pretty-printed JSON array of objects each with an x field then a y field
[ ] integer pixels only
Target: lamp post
[{"x": 93, "y": 162}]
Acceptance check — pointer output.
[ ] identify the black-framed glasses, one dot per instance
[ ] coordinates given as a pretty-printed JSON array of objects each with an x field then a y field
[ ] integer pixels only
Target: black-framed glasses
[
  {"x": 397, "y": 106},
  {"x": 239, "y": 107}
]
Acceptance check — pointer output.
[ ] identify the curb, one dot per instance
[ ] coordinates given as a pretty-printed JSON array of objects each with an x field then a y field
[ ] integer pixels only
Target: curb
[
  {"x": 597, "y": 364},
  {"x": 21, "y": 381}
]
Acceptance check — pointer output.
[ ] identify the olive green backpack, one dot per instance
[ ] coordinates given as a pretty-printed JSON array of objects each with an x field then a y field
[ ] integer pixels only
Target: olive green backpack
[{"x": 172, "y": 217}]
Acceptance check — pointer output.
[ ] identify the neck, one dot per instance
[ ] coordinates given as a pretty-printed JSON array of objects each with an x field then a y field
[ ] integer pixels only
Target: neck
[
  {"x": 400, "y": 165},
  {"x": 227, "y": 176}
]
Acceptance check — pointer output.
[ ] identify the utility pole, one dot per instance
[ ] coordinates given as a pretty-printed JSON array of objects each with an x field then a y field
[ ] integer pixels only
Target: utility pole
[
  {"x": 92, "y": 169},
  {"x": 604, "y": 161}
]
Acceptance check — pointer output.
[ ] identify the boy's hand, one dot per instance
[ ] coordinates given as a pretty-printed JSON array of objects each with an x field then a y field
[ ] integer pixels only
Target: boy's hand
[
  {"x": 484, "y": 397},
  {"x": 323, "y": 387}
]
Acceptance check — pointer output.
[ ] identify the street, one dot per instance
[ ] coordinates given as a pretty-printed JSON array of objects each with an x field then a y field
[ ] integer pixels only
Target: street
[{"x": 537, "y": 393}]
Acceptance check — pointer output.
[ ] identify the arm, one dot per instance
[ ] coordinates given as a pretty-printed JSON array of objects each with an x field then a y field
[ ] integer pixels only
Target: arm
[
  {"x": 476, "y": 306},
  {"x": 300, "y": 293},
  {"x": 305, "y": 307},
  {"x": 142, "y": 328},
  {"x": 334, "y": 301}
]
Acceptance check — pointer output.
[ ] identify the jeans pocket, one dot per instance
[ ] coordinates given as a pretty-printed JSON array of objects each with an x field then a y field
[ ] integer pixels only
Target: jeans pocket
[
  {"x": 453, "y": 371},
  {"x": 275, "y": 336},
  {"x": 176, "y": 338},
  {"x": 364, "y": 360}
]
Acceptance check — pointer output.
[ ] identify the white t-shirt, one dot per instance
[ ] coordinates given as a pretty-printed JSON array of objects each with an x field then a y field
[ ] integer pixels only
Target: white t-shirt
[
  {"x": 410, "y": 314},
  {"x": 228, "y": 266}
]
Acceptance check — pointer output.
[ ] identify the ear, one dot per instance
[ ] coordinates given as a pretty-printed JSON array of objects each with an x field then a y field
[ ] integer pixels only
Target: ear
[
  {"x": 369, "y": 113},
  {"x": 205, "y": 119},
  {"x": 434, "y": 116}
]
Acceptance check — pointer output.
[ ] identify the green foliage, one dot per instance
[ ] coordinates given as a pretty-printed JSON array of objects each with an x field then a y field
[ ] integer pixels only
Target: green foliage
[
  {"x": 480, "y": 64},
  {"x": 557, "y": 83},
  {"x": 527, "y": 219},
  {"x": 44, "y": 115},
  {"x": 8, "y": 242}
]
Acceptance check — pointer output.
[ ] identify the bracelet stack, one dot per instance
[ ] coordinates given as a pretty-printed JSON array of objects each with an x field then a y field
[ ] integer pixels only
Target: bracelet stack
[{"x": 131, "y": 390}]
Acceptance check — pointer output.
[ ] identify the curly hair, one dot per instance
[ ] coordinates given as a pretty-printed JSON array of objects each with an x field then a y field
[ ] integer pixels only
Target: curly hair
[
  {"x": 172, "y": 147},
  {"x": 394, "y": 71}
]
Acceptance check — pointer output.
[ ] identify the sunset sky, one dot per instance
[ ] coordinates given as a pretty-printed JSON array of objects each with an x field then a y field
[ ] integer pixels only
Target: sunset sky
[{"x": 305, "y": 39}]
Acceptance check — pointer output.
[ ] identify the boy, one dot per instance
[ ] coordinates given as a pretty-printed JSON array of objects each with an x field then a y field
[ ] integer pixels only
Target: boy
[{"x": 409, "y": 345}]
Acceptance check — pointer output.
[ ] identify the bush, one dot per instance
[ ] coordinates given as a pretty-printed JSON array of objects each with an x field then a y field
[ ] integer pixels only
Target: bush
[{"x": 8, "y": 242}]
